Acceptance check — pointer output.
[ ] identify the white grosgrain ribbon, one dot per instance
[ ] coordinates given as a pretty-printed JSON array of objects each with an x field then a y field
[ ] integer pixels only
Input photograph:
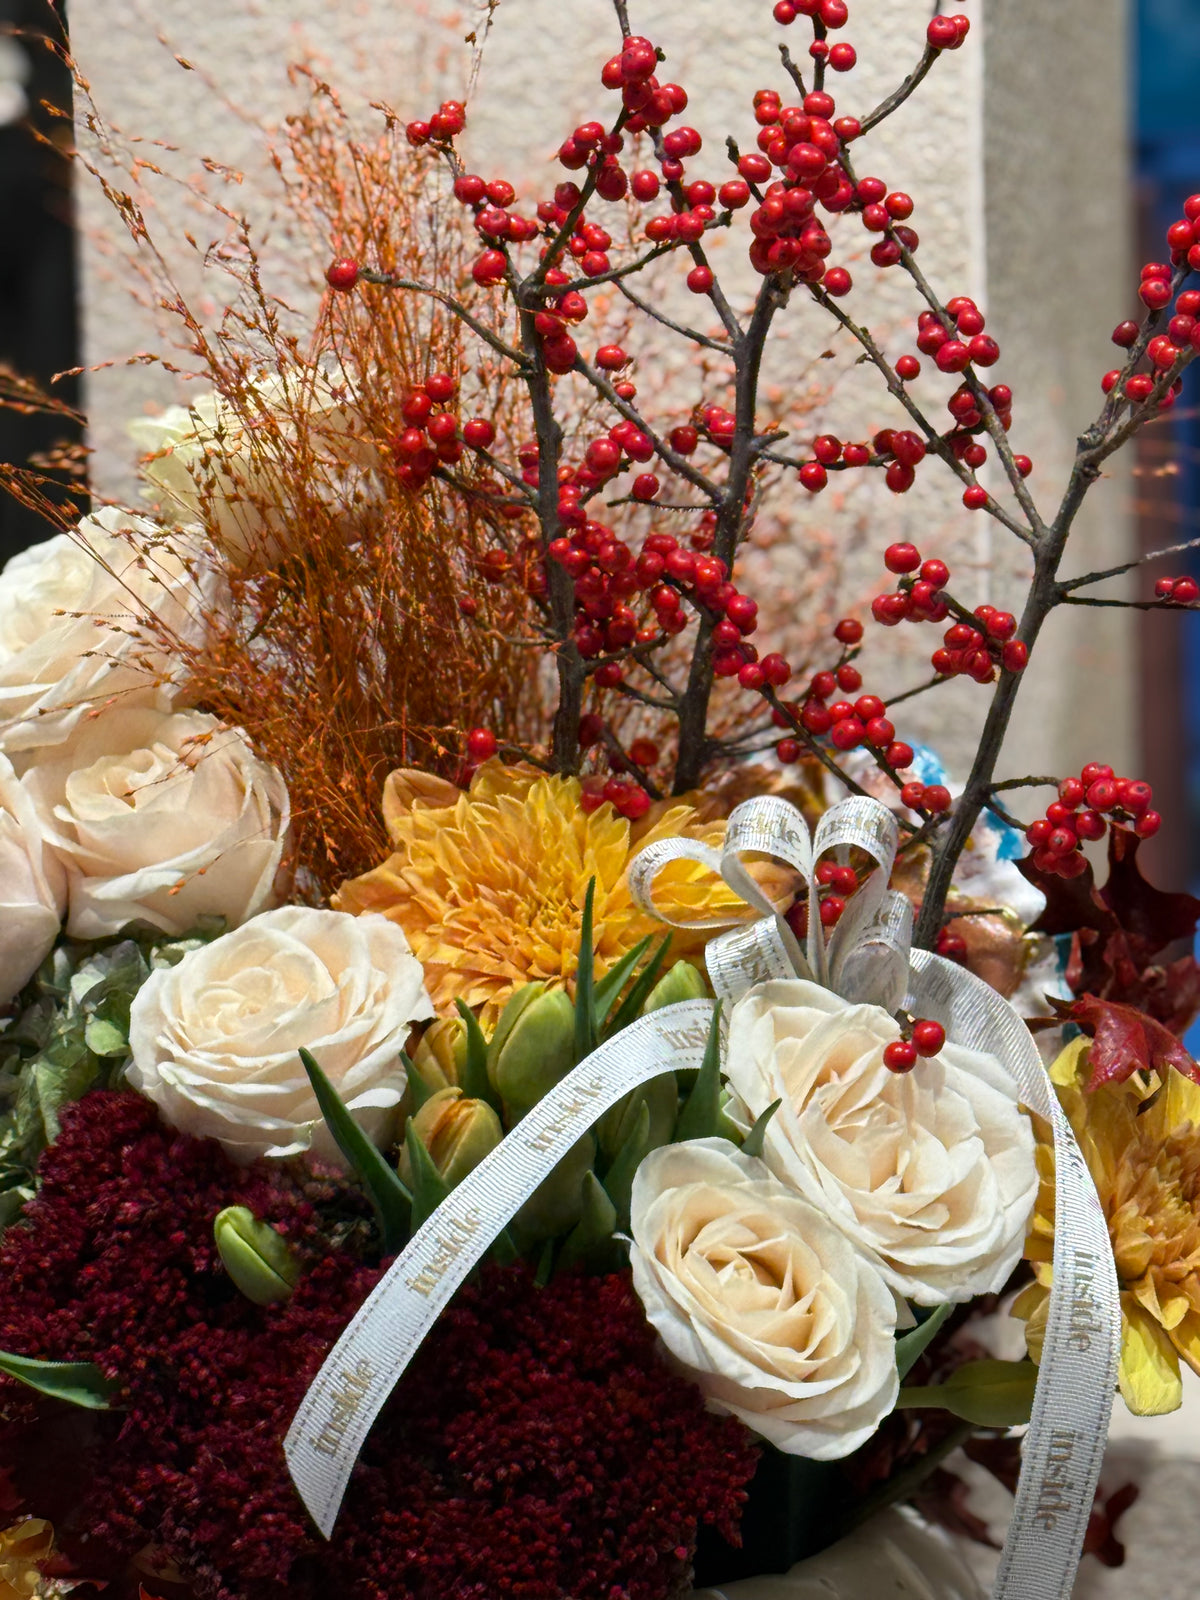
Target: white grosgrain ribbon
[{"x": 867, "y": 960}]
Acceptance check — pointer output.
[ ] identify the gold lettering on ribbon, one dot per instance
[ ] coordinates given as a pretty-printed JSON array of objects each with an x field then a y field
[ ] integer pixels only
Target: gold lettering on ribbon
[
  {"x": 351, "y": 1389},
  {"x": 1056, "y": 1491},
  {"x": 449, "y": 1246},
  {"x": 547, "y": 1137}
]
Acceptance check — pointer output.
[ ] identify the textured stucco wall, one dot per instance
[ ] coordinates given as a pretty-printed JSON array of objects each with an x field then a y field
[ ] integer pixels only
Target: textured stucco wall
[{"x": 990, "y": 225}]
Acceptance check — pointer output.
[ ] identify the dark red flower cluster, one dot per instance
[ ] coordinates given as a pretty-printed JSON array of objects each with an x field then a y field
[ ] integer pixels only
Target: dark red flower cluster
[{"x": 536, "y": 1448}]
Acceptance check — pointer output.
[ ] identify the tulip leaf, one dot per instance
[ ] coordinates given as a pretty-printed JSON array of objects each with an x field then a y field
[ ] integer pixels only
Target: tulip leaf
[
  {"x": 77, "y": 1382},
  {"x": 752, "y": 1144},
  {"x": 545, "y": 1266},
  {"x": 640, "y": 990},
  {"x": 503, "y": 1251},
  {"x": 476, "y": 1084},
  {"x": 618, "y": 1180},
  {"x": 585, "y": 1001},
  {"x": 595, "y": 1228},
  {"x": 702, "y": 1116},
  {"x": 607, "y": 988},
  {"x": 988, "y": 1393},
  {"x": 418, "y": 1090},
  {"x": 384, "y": 1187},
  {"x": 910, "y": 1346},
  {"x": 429, "y": 1187}
]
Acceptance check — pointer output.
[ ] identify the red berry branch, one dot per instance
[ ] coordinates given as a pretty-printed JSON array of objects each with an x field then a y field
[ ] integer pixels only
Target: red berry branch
[{"x": 638, "y": 616}]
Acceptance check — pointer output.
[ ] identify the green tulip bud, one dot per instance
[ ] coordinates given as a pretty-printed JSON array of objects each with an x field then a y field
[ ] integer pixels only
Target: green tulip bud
[
  {"x": 441, "y": 1055},
  {"x": 682, "y": 982},
  {"x": 661, "y": 1096},
  {"x": 458, "y": 1132},
  {"x": 556, "y": 1205},
  {"x": 532, "y": 1048},
  {"x": 255, "y": 1256}
]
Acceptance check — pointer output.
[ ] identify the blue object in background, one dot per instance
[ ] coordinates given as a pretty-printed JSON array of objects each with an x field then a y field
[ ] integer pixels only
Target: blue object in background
[{"x": 1167, "y": 146}]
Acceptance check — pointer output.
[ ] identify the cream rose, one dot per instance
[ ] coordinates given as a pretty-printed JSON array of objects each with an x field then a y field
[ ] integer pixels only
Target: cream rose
[
  {"x": 161, "y": 818},
  {"x": 215, "y": 1040},
  {"x": 233, "y": 467},
  {"x": 767, "y": 1305},
  {"x": 33, "y": 887},
  {"x": 84, "y": 620},
  {"x": 930, "y": 1170}
]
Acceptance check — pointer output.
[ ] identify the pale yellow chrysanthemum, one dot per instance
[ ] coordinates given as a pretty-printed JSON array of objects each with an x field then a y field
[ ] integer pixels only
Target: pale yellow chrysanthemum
[
  {"x": 489, "y": 885},
  {"x": 1141, "y": 1141}
]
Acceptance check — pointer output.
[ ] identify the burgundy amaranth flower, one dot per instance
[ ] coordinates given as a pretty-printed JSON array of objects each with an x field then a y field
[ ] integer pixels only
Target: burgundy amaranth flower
[{"x": 536, "y": 1448}]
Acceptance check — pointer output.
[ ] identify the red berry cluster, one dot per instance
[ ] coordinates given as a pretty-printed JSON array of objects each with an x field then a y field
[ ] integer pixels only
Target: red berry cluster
[
  {"x": 835, "y": 884},
  {"x": 826, "y": 15},
  {"x": 1079, "y": 812},
  {"x": 925, "y": 1038},
  {"x": 447, "y": 122},
  {"x": 966, "y": 650},
  {"x": 1183, "y": 591},
  {"x": 431, "y": 435},
  {"x": 951, "y": 946},
  {"x": 1155, "y": 292}
]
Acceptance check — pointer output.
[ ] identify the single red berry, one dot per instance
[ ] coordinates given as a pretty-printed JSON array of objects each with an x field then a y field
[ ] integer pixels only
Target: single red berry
[
  {"x": 951, "y": 946},
  {"x": 902, "y": 557},
  {"x": 1147, "y": 825},
  {"x": 831, "y": 910},
  {"x": 788, "y": 750},
  {"x": 342, "y": 273},
  {"x": 928, "y": 1037},
  {"x": 901, "y": 1054},
  {"x": 975, "y": 497},
  {"x": 1014, "y": 656},
  {"x": 481, "y": 744},
  {"x": 700, "y": 279},
  {"x": 937, "y": 798},
  {"x": 848, "y": 631},
  {"x": 1090, "y": 825},
  {"x": 837, "y": 282},
  {"x": 1185, "y": 590},
  {"x": 1155, "y": 293},
  {"x": 478, "y": 432},
  {"x": 898, "y": 756},
  {"x": 913, "y": 795},
  {"x": 813, "y": 476},
  {"x": 849, "y": 678},
  {"x": 907, "y": 367},
  {"x": 1102, "y": 794}
]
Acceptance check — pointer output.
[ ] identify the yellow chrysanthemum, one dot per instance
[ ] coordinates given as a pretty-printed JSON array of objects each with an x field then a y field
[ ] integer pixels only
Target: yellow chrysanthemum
[
  {"x": 1141, "y": 1141},
  {"x": 23, "y": 1548},
  {"x": 489, "y": 885}
]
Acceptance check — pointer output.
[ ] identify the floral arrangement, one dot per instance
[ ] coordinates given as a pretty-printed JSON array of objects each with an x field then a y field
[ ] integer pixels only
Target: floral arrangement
[{"x": 396, "y": 766}]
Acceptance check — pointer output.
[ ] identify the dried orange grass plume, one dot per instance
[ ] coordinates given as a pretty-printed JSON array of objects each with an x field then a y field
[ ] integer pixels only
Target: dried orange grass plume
[{"x": 360, "y": 635}]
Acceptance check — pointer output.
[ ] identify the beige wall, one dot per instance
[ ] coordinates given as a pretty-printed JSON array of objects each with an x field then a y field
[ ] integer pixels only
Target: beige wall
[{"x": 998, "y": 218}]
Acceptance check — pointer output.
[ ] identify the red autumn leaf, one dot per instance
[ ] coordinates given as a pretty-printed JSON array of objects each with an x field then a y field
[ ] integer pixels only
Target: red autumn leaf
[{"x": 1126, "y": 1040}]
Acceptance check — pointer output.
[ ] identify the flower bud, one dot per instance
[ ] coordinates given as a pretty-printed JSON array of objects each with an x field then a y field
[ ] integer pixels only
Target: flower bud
[
  {"x": 662, "y": 1100},
  {"x": 255, "y": 1256},
  {"x": 532, "y": 1048},
  {"x": 441, "y": 1055},
  {"x": 556, "y": 1205},
  {"x": 457, "y": 1132},
  {"x": 682, "y": 982}
]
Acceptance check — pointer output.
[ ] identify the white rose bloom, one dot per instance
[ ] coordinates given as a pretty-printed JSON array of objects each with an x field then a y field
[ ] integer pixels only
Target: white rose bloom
[
  {"x": 161, "y": 818},
  {"x": 930, "y": 1170},
  {"x": 227, "y": 466},
  {"x": 215, "y": 1040},
  {"x": 767, "y": 1305},
  {"x": 33, "y": 887},
  {"x": 83, "y": 618}
]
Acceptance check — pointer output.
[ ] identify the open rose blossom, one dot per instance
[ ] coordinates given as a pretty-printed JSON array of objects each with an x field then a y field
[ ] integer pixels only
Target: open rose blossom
[
  {"x": 769, "y": 1307},
  {"x": 161, "y": 818},
  {"x": 215, "y": 1040},
  {"x": 33, "y": 886},
  {"x": 85, "y": 620},
  {"x": 932, "y": 1171}
]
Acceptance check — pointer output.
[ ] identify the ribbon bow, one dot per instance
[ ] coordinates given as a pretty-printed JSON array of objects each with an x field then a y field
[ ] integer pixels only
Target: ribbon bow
[{"x": 865, "y": 958}]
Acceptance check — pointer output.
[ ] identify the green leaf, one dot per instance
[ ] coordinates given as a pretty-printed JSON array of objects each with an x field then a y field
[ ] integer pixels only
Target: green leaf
[
  {"x": 989, "y": 1394},
  {"x": 585, "y": 1001},
  {"x": 387, "y": 1193},
  {"x": 702, "y": 1116},
  {"x": 610, "y": 985},
  {"x": 475, "y": 1082},
  {"x": 752, "y": 1144},
  {"x": 418, "y": 1090},
  {"x": 503, "y": 1250},
  {"x": 105, "y": 1038},
  {"x": 78, "y": 1382},
  {"x": 429, "y": 1187},
  {"x": 595, "y": 1228},
  {"x": 545, "y": 1265},
  {"x": 630, "y": 1008},
  {"x": 618, "y": 1180},
  {"x": 911, "y": 1346}
]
